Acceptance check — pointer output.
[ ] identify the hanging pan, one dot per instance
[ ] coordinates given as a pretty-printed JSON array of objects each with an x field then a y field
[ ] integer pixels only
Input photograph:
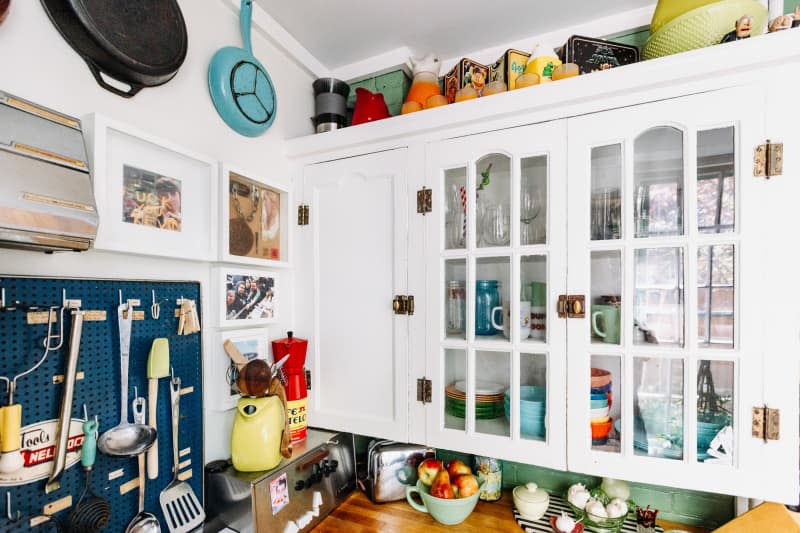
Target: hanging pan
[
  {"x": 139, "y": 44},
  {"x": 240, "y": 87}
]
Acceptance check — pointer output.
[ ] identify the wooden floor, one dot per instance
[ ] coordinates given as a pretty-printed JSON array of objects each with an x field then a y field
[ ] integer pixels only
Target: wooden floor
[{"x": 359, "y": 515}]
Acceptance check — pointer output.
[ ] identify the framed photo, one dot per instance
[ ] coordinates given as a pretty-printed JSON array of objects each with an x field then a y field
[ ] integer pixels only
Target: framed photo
[
  {"x": 254, "y": 222},
  {"x": 246, "y": 297},
  {"x": 153, "y": 197},
  {"x": 253, "y": 345}
]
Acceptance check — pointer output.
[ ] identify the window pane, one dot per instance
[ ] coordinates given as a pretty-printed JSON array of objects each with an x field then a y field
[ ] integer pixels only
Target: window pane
[
  {"x": 658, "y": 182},
  {"x": 605, "y": 398},
  {"x": 455, "y": 298},
  {"x": 492, "y": 297},
  {"x": 715, "y": 296},
  {"x": 716, "y": 167},
  {"x": 533, "y": 397},
  {"x": 715, "y": 399},
  {"x": 658, "y": 407},
  {"x": 493, "y": 371},
  {"x": 533, "y": 200},
  {"x": 533, "y": 271},
  {"x": 493, "y": 181},
  {"x": 604, "y": 323},
  {"x": 455, "y": 224},
  {"x": 606, "y": 208},
  {"x": 455, "y": 373},
  {"x": 658, "y": 297}
]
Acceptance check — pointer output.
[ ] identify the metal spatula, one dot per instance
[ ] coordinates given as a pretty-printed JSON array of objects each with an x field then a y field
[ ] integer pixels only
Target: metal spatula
[{"x": 182, "y": 511}]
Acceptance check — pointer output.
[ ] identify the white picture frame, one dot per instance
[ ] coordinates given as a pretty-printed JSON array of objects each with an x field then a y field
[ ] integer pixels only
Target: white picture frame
[
  {"x": 257, "y": 304},
  {"x": 139, "y": 180},
  {"x": 265, "y": 239},
  {"x": 253, "y": 343}
]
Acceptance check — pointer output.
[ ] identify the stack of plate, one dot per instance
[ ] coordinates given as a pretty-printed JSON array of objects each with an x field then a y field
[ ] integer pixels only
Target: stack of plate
[
  {"x": 488, "y": 399},
  {"x": 532, "y": 410}
]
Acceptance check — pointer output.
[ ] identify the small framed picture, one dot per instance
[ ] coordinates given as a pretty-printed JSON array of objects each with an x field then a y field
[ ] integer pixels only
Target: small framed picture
[
  {"x": 252, "y": 343},
  {"x": 247, "y": 297},
  {"x": 153, "y": 197},
  {"x": 254, "y": 225}
]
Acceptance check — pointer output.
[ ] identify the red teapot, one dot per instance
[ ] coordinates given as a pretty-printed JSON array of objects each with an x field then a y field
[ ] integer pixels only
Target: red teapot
[{"x": 369, "y": 106}]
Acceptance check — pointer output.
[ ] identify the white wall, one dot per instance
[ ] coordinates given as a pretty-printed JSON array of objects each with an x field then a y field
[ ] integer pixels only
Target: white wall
[{"x": 37, "y": 64}]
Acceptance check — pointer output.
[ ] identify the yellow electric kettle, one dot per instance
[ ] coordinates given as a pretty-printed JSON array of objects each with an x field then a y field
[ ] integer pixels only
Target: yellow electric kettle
[{"x": 258, "y": 433}]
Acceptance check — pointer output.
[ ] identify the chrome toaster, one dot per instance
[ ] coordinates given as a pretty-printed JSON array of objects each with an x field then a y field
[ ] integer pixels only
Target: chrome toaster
[{"x": 391, "y": 467}]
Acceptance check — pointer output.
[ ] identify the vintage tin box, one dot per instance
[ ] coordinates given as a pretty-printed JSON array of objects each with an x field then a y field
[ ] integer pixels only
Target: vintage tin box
[
  {"x": 466, "y": 72},
  {"x": 391, "y": 466},
  {"x": 597, "y": 54},
  {"x": 508, "y": 67}
]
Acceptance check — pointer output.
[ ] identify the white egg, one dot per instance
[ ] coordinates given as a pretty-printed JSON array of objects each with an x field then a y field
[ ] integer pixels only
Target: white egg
[
  {"x": 580, "y": 499},
  {"x": 577, "y": 487},
  {"x": 616, "y": 508},
  {"x": 565, "y": 523},
  {"x": 595, "y": 508}
]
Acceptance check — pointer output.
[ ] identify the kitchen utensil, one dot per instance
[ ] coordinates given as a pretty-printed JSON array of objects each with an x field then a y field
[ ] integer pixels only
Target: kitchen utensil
[
  {"x": 65, "y": 412},
  {"x": 157, "y": 367},
  {"x": 256, "y": 437},
  {"x": 254, "y": 376},
  {"x": 138, "y": 48},
  {"x": 444, "y": 511},
  {"x": 391, "y": 466},
  {"x": 91, "y": 512},
  {"x": 125, "y": 439},
  {"x": 240, "y": 87},
  {"x": 182, "y": 511},
  {"x": 330, "y": 104},
  {"x": 295, "y": 381},
  {"x": 276, "y": 389},
  {"x": 275, "y": 371},
  {"x": 369, "y": 107},
  {"x": 142, "y": 522}
]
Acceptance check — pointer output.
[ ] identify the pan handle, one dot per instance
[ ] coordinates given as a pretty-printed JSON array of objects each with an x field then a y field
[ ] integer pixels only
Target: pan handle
[
  {"x": 245, "y": 18},
  {"x": 96, "y": 72}
]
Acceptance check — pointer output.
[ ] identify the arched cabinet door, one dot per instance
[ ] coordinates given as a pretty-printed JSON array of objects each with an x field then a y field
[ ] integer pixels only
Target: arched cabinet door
[{"x": 667, "y": 238}]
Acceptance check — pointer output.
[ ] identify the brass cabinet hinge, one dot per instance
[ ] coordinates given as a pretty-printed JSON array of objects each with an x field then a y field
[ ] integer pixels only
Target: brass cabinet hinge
[
  {"x": 403, "y": 304},
  {"x": 768, "y": 160},
  {"x": 302, "y": 214},
  {"x": 766, "y": 423},
  {"x": 571, "y": 306},
  {"x": 424, "y": 201},
  {"x": 424, "y": 390}
]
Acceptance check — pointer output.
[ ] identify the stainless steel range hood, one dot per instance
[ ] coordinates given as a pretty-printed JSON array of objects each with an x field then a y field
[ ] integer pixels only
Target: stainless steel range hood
[{"x": 46, "y": 198}]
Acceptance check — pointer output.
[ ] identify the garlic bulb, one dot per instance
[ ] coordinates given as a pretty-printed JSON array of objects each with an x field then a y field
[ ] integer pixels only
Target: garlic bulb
[
  {"x": 565, "y": 523},
  {"x": 595, "y": 508},
  {"x": 616, "y": 488},
  {"x": 580, "y": 499},
  {"x": 616, "y": 508},
  {"x": 577, "y": 487}
]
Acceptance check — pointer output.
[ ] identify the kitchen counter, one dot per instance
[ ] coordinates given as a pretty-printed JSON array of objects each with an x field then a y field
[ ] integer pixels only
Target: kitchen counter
[{"x": 359, "y": 515}]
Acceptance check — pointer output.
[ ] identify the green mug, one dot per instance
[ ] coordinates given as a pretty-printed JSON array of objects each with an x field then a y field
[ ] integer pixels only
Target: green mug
[{"x": 605, "y": 322}]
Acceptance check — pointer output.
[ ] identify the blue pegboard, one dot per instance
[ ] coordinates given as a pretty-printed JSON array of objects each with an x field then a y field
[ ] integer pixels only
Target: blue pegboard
[{"x": 20, "y": 347}]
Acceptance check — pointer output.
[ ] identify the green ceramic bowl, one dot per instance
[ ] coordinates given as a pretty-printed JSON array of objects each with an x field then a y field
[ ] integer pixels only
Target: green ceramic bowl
[{"x": 447, "y": 512}]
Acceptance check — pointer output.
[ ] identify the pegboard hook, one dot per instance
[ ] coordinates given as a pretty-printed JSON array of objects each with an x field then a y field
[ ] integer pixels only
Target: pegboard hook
[
  {"x": 50, "y": 337},
  {"x": 155, "y": 309},
  {"x": 10, "y": 515}
]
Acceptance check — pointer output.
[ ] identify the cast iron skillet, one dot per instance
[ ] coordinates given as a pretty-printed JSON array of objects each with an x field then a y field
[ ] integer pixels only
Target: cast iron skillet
[
  {"x": 240, "y": 87},
  {"x": 140, "y": 44}
]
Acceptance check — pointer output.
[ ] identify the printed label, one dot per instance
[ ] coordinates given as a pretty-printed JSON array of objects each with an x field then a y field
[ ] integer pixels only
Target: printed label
[
  {"x": 298, "y": 422},
  {"x": 38, "y": 449}
]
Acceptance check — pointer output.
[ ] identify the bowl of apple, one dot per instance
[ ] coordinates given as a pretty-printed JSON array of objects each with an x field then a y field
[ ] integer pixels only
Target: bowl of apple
[{"x": 448, "y": 493}]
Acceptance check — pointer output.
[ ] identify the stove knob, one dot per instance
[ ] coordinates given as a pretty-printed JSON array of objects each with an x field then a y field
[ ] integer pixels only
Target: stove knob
[
  {"x": 334, "y": 465},
  {"x": 299, "y": 485}
]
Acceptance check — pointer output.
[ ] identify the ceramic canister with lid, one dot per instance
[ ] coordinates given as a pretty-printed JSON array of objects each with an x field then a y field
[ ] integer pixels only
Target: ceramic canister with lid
[{"x": 531, "y": 501}]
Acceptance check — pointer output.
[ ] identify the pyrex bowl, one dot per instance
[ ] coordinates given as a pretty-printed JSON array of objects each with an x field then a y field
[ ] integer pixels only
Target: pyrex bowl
[
  {"x": 599, "y": 524},
  {"x": 444, "y": 511}
]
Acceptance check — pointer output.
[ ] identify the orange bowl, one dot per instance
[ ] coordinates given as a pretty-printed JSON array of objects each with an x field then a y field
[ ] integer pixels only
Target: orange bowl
[
  {"x": 602, "y": 429},
  {"x": 600, "y": 377}
]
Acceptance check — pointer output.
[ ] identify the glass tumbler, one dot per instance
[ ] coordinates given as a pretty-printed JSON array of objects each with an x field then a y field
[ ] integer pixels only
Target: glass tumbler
[
  {"x": 496, "y": 225},
  {"x": 456, "y": 307}
]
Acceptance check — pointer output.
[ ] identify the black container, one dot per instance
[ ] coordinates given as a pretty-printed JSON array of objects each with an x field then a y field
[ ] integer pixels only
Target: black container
[
  {"x": 330, "y": 99},
  {"x": 596, "y": 54}
]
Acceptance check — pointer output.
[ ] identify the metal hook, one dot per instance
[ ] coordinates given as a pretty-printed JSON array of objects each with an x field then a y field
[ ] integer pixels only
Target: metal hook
[
  {"x": 9, "y": 513},
  {"x": 2, "y": 298},
  {"x": 155, "y": 309},
  {"x": 85, "y": 413},
  {"x": 50, "y": 336}
]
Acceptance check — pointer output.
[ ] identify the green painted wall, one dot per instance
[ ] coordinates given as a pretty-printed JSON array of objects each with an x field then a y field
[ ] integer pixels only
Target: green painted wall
[
  {"x": 701, "y": 509},
  {"x": 789, "y": 5}
]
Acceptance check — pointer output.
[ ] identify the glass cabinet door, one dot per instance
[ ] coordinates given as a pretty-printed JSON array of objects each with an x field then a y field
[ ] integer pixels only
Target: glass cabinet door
[
  {"x": 665, "y": 368},
  {"x": 496, "y": 355}
]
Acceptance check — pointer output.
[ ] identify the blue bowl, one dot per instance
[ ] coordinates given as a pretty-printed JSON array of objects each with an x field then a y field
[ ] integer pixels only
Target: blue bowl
[
  {"x": 597, "y": 404},
  {"x": 604, "y": 388},
  {"x": 599, "y": 396}
]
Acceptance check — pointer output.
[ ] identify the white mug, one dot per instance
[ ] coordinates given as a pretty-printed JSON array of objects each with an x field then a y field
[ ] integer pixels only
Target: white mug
[
  {"x": 524, "y": 319},
  {"x": 538, "y": 322}
]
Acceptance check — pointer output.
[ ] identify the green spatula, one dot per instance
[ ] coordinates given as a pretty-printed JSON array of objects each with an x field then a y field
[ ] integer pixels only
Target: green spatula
[{"x": 157, "y": 367}]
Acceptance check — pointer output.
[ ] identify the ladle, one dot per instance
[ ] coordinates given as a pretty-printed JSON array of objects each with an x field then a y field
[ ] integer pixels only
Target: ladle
[
  {"x": 143, "y": 522},
  {"x": 125, "y": 439}
]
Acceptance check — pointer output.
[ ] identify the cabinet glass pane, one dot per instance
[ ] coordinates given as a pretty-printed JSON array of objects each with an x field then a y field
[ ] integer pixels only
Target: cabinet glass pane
[
  {"x": 604, "y": 323},
  {"x": 658, "y": 407},
  {"x": 658, "y": 305},
  {"x": 605, "y": 399},
  {"x": 493, "y": 371},
  {"x": 716, "y": 171},
  {"x": 658, "y": 182},
  {"x": 606, "y": 208},
  {"x": 715, "y": 411},
  {"x": 455, "y": 298},
  {"x": 455, "y": 224},
  {"x": 533, "y": 271},
  {"x": 491, "y": 297},
  {"x": 455, "y": 375},
  {"x": 533, "y": 200},
  {"x": 715, "y": 296},
  {"x": 493, "y": 207},
  {"x": 532, "y": 397}
]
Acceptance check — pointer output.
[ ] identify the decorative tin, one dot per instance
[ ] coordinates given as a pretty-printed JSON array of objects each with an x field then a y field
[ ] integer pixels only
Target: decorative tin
[
  {"x": 489, "y": 472},
  {"x": 466, "y": 72},
  {"x": 596, "y": 54},
  {"x": 393, "y": 85},
  {"x": 508, "y": 67}
]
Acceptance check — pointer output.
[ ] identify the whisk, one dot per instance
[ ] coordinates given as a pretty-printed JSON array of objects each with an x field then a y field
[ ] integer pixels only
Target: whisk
[{"x": 91, "y": 513}]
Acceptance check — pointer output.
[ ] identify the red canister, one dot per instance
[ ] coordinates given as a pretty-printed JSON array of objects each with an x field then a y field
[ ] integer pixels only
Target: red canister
[{"x": 294, "y": 370}]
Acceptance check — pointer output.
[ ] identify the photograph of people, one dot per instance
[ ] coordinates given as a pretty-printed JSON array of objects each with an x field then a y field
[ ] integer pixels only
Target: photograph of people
[{"x": 249, "y": 297}]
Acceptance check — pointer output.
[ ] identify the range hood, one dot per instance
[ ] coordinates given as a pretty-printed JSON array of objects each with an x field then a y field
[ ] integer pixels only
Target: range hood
[{"x": 46, "y": 198}]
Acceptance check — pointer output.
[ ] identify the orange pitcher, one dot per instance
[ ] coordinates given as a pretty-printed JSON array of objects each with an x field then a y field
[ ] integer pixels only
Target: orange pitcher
[{"x": 425, "y": 82}]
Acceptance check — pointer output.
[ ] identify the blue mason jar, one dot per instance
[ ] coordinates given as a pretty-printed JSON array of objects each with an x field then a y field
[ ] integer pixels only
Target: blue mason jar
[{"x": 487, "y": 297}]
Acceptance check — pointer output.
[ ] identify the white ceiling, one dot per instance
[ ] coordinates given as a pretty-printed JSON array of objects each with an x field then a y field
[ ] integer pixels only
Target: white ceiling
[{"x": 343, "y": 32}]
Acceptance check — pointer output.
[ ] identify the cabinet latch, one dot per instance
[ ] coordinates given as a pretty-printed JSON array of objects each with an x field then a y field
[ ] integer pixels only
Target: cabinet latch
[
  {"x": 424, "y": 390},
  {"x": 768, "y": 160},
  {"x": 302, "y": 214},
  {"x": 424, "y": 201},
  {"x": 766, "y": 423},
  {"x": 403, "y": 304},
  {"x": 571, "y": 306}
]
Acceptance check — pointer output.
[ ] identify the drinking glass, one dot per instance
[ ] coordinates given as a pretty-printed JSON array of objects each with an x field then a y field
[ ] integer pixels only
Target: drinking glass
[
  {"x": 530, "y": 206},
  {"x": 496, "y": 225}
]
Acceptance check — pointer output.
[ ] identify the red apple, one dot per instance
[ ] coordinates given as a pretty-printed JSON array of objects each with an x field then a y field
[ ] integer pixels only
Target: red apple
[
  {"x": 440, "y": 488},
  {"x": 456, "y": 467},
  {"x": 428, "y": 469},
  {"x": 465, "y": 485}
]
